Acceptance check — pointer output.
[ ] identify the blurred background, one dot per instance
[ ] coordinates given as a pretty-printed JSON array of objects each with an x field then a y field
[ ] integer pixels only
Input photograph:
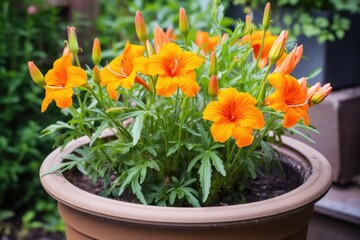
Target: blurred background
[{"x": 35, "y": 31}]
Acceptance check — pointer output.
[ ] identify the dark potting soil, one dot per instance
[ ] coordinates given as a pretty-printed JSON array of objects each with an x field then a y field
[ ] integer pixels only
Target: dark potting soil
[{"x": 268, "y": 184}]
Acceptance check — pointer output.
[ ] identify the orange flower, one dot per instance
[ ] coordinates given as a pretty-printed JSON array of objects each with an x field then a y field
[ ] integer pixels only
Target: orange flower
[
  {"x": 256, "y": 39},
  {"x": 175, "y": 69},
  {"x": 289, "y": 98},
  {"x": 121, "y": 70},
  {"x": 60, "y": 82},
  {"x": 287, "y": 63},
  {"x": 234, "y": 115},
  {"x": 205, "y": 42}
]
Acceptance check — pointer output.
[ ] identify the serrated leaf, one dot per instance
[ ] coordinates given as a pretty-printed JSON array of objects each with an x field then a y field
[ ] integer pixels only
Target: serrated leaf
[
  {"x": 217, "y": 163},
  {"x": 98, "y": 132},
  {"x": 136, "y": 188},
  {"x": 251, "y": 167},
  {"x": 205, "y": 176},
  {"x": 137, "y": 127},
  {"x": 194, "y": 161},
  {"x": 173, "y": 149}
]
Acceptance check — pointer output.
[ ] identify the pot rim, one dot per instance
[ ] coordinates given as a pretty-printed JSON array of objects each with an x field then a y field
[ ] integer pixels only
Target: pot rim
[{"x": 315, "y": 187}]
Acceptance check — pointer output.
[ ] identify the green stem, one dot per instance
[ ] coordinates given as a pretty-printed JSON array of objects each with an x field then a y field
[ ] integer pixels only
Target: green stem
[
  {"x": 185, "y": 42},
  {"x": 182, "y": 118},
  {"x": 262, "y": 91},
  {"x": 77, "y": 60},
  {"x": 117, "y": 124},
  {"x": 261, "y": 48}
]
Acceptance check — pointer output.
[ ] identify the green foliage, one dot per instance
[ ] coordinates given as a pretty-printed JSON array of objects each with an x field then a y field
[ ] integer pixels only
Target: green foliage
[
  {"x": 324, "y": 20},
  {"x": 115, "y": 24},
  {"x": 23, "y": 37}
]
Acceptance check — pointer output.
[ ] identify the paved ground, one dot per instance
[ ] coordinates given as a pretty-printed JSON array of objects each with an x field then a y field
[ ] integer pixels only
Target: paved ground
[
  {"x": 337, "y": 215},
  {"x": 323, "y": 227}
]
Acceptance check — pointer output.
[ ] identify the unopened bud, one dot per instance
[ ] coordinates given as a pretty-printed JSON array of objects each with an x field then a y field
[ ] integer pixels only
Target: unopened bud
[
  {"x": 149, "y": 48},
  {"x": 266, "y": 17},
  {"x": 72, "y": 40},
  {"x": 213, "y": 64},
  {"x": 160, "y": 38},
  {"x": 213, "y": 88},
  {"x": 317, "y": 94},
  {"x": 140, "y": 27},
  {"x": 248, "y": 24},
  {"x": 183, "y": 22},
  {"x": 278, "y": 47},
  {"x": 96, "y": 52},
  {"x": 96, "y": 75},
  {"x": 36, "y": 74}
]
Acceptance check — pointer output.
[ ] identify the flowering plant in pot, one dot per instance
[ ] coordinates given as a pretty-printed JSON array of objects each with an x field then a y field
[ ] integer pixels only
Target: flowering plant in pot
[{"x": 191, "y": 121}]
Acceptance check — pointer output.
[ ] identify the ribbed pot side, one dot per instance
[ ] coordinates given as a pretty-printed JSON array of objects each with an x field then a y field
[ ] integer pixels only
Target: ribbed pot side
[{"x": 88, "y": 216}]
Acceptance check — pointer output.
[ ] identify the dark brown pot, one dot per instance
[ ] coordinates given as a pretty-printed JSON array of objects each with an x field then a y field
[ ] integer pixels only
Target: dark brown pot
[{"x": 89, "y": 216}]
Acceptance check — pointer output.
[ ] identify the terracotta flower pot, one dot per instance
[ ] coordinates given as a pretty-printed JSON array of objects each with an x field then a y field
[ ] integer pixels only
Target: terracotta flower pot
[{"x": 89, "y": 216}]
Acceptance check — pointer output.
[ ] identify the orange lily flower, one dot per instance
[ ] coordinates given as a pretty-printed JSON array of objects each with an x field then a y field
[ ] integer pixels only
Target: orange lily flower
[
  {"x": 256, "y": 39},
  {"x": 287, "y": 63},
  {"x": 289, "y": 98},
  {"x": 60, "y": 81},
  {"x": 175, "y": 69},
  {"x": 121, "y": 70},
  {"x": 234, "y": 115},
  {"x": 205, "y": 42}
]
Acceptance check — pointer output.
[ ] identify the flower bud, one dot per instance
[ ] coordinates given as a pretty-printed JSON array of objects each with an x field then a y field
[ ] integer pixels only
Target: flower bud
[
  {"x": 248, "y": 24},
  {"x": 72, "y": 40},
  {"x": 183, "y": 22},
  {"x": 66, "y": 50},
  {"x": 317, "y": 94},
  {"x": 287, "y": 65},
  {"x": 266, "y": 17},
  {"x": 213, "y": 64},
  {"x": 213, "y": 88},
  {"x": 278, "y": 47},
  {"x": 160, "y": 38},
  {"x": 36, "y": 74},
  {"x": 140, "y": 27},
  {"x": 303, "y": 83},
  {"x": 149, "y": 48},
  {"x": 96, "y": 52},
  {"x": 96, "y": 75}
]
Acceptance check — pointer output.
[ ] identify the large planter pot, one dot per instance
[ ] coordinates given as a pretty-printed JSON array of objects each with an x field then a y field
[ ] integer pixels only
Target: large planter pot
[{"x": 89, "y": 216}]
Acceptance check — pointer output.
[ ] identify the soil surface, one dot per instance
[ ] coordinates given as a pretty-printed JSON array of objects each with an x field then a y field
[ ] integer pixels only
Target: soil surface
[{"x": 275, "y": 182}]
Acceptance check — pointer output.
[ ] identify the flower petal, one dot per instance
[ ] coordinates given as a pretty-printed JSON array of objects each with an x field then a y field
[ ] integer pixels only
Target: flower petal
[
  {"x": 166, "y": 86},
  {"x": 75, "y": 77},
  {"x": 221, "y": 132},
  {"x": 188, "y": 84},
  {"x": 243, "y": 136}
]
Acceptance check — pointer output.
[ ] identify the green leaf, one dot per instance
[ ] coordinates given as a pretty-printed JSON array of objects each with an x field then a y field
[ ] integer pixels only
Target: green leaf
[
  {"x": 136, "y": 188},
  {"x": 314, "y": 73},
  {"x": 322, "y": 22},
  {"x": 98, "y": 132},
  {"x": 251, "y": 167},
  {"x": 137, "y": 127},
  {"x": 205, "y": 176},
  {"x": 173, "y": 149},
  {"x": 217, "y": 163}
]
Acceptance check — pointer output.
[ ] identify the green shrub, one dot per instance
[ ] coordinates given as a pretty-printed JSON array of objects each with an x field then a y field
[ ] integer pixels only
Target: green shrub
[{"x": 23, "y": 37}]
